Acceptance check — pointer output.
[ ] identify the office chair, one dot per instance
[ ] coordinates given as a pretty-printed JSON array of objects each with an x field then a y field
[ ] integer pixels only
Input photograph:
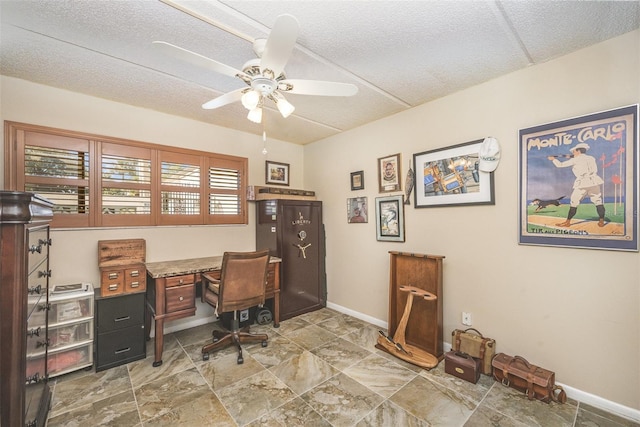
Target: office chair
[{"x": 242, "y": 284}]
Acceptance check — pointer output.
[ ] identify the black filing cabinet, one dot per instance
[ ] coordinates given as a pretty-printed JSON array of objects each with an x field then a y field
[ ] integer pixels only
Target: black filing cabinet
[{"x": 120, "y": 336}]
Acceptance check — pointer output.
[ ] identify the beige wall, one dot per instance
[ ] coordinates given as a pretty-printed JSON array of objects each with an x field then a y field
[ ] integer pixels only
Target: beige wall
[
  {"x": 575, "y": 311},
  {"x": 571, "y": 310}
]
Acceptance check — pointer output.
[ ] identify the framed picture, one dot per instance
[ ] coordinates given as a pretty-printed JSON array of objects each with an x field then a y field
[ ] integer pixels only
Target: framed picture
[
  {"x": 357, "y": 210},
  {"x": 357, "y": 180},
  {"x": 276, "y": 173},
  {"x": 389, "y": 173},
  {"x": 578, "y": 182},
  {"x": 450, "y": 177},
  {"x": 390, "y": 219}
]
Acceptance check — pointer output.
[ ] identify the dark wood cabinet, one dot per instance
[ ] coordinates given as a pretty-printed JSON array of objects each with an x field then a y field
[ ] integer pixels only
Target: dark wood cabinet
[
  {"x": 24, "y": 269},
  {"x": 120, "y": 334},
  {"x": 293, "y": 231}
]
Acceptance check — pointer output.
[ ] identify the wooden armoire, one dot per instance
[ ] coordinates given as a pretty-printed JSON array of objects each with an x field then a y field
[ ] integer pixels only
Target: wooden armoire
[
  {"x": 24, "y": 288},
  {"x": 293, "y": 231}
]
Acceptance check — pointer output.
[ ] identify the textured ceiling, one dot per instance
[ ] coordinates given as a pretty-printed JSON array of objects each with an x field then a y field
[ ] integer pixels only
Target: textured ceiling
[{"x": 399, "y": 54}]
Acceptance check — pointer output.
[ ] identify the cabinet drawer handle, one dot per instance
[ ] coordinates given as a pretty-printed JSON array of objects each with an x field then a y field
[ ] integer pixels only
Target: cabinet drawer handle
[
  {"x": 124, "y": 350},
  {"x": 35, "y": 290},
  {"x": 33, "y": 332},
  {"x": 181, "y": 299},
  {"x": 113, "y": 287},
  {"x": 34, "y": 248},
  {"x": 135, "y": 273},
  {"x": 181, "y": 281},
  {"x": 113, "y": 275},
  {"x": 135, "y": 284},
  {"x": 122, "y": 319},
  {"x": 44, "y": 273}
]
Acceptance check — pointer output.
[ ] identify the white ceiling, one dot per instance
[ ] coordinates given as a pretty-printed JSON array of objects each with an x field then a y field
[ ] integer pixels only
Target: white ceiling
[{"x": 400, "y": 54}]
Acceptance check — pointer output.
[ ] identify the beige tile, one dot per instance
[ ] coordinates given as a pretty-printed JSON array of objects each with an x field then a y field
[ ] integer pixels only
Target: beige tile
[
  {"x": 341, "y": 353},
  {"x": 311, "y": 337},
  {"x": 81, "y": 391},
  {"x": 112, "y": 411},
  {"x": 516, "y": 405},
  {"x": 380, "y": 375},
  {"x": 204, "y": 410},
  {"x": 389, "y": 414},
  {"x": 222, "y": 371},
  {"x": 278, "y": 350},
  {"x": 295, "y": 413},
  {"x": 434, "y": 403},
  {"x": 162, "y": 396},
  {"x": 173, "y": 362},
  {"x": 254, "y": 396},
  {"x": 303, "y": 372},
  {"x": 341, "y": 400}
]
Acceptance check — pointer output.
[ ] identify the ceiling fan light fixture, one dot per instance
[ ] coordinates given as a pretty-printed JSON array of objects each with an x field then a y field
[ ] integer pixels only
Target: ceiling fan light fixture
[
  {"x": 250, "y": 100},
  {"x": 255, "y": 115},
  {"x": 284, "y": 106}
]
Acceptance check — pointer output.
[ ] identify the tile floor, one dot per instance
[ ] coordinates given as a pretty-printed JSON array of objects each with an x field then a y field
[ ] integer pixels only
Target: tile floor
[{"x": 319, "y": 369}]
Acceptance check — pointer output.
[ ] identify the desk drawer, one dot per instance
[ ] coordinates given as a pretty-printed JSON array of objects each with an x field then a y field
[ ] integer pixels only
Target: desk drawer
[
  {"x": 185, "y": 279},
  {"x": 180, "y": 297}
]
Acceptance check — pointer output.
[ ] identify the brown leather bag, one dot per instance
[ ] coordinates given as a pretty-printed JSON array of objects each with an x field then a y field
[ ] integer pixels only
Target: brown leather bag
[
  {"x": 462, "y": 365},
  {"x": 536, "y": 382},
  {"x": 472, "y": 342}
]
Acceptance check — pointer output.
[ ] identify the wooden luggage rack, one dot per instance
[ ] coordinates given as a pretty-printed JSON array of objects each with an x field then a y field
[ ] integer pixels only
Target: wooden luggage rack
[{"x": 415, "y": 310}]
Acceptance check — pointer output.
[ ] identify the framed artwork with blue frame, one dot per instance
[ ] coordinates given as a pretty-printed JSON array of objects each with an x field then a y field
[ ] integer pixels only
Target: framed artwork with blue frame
[
  {"x": 449, "y": 176},
  {"x": 578, "y": 183}
]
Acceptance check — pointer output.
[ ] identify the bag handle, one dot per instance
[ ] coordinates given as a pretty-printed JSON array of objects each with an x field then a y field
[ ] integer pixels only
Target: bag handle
[
  {"x": 561, "y": 397},
  {"x": 474, "y": 330}
]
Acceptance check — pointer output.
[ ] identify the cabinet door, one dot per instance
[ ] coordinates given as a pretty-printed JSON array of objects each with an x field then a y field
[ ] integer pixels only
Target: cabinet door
[{"x": 301, "y": 246}]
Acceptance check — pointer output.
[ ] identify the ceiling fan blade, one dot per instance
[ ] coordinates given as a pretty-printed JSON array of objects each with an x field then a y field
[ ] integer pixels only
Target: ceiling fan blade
[
  {"x": 280, "y": 44},
  {"x": 225, "y": 99},
  {"x": 317, "y": 87},
  {"x": 197, "y": 59}
]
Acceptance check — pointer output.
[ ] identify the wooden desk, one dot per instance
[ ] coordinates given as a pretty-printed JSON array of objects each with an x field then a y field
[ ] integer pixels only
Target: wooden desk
[{"x": 171, "y": 292}]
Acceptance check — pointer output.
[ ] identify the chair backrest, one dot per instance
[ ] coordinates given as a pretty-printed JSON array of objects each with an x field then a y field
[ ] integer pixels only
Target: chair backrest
[{"x": 243, "y": 280}]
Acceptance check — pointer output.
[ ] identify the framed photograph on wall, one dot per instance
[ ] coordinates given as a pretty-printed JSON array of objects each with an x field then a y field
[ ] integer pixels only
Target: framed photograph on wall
[
  {"x": 578, "y": 183},
  {"x": 389, "y": 173},
  {"x": 276, "y": 173},
  {"x": 357, "y": 180},
  {"x": 390, "y": 219},
  {"x": 357, "y": 210},
  {"x": 450, "y": 177}
]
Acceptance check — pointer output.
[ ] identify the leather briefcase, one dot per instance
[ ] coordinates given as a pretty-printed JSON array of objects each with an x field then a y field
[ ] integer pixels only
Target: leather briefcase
[
  {"x": 472, "y": 342},
  {"x": 462, "y": 365},
  {"x": 536, "y": 382}
]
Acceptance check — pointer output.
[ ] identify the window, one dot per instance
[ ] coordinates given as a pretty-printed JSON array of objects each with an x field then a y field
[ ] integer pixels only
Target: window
[{"x": 99, "y": 181}]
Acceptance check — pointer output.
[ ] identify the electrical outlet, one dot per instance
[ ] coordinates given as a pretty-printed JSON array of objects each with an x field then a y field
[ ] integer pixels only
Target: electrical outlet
[{"x": 466, "y": 318}]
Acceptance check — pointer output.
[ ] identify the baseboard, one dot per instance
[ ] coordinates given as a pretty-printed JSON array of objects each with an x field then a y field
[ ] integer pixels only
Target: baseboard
[{"x": 573, "y": 393}]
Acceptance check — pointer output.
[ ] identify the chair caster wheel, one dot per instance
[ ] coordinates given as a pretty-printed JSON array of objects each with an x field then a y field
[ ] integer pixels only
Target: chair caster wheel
[
  {"x": 205, "y": 356},
  {"x": 240, "y": 360},
  {"x": 156, "y": 364},
  {"x": 264, "y": 343}
]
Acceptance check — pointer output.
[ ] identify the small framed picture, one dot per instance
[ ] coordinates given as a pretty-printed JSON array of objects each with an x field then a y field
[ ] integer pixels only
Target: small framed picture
[
  {"x": 357, "y": 210},
  {"x": 390, "y": 219},
  {"x": 276, "y": 173},
  {"x": 357, "y": 180},
  {"x": 389, "y": 173}
]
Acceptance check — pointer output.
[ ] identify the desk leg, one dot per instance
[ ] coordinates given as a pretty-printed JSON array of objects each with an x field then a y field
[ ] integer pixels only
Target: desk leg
[
  {"x": 159, "y": 342},
  {"x": 276, "y": 309}
]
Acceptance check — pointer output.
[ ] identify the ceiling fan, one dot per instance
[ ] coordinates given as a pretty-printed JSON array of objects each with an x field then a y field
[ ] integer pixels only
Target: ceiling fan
[{"x": 264, "y": 75}]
